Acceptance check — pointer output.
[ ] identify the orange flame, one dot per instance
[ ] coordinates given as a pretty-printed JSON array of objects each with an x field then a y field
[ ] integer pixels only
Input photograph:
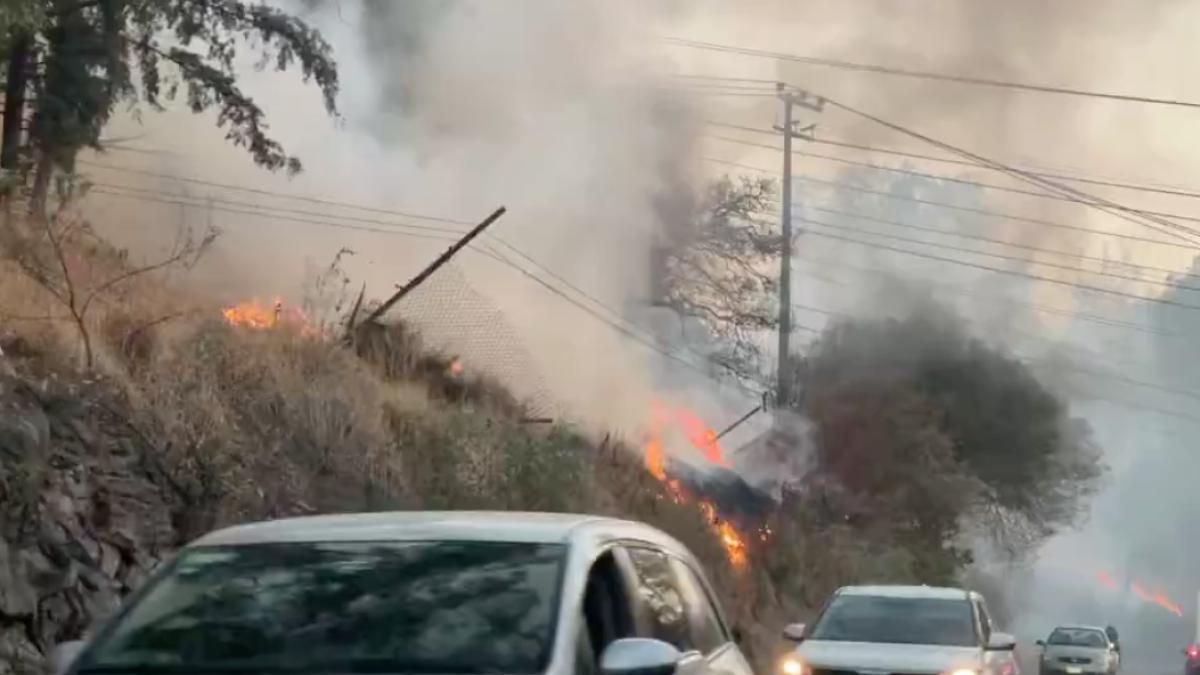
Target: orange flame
[
  {"x": 1154, "y": 597},
  {"x": 1160, "y": 599},
  {"x": 253, "y": 314},
  {"x": 702, "y": 438}
]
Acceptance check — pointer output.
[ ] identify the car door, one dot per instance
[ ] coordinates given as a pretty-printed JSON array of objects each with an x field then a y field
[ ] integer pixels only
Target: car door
[{"x": 675, "y": 606}]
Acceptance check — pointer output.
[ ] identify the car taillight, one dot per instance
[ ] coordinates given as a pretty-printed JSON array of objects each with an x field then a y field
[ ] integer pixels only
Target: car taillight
[{"x": 1193, "y": 651}]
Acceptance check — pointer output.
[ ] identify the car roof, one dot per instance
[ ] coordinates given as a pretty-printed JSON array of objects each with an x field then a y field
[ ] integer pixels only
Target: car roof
[
  {"x": 898, "y": 591},
  {"x": 491, "y": 526},
  {"x": 1074, "y": 627}
]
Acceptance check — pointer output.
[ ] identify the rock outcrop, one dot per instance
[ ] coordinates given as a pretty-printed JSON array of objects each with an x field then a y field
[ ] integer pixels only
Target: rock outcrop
[{"x": 82, "y": 519}]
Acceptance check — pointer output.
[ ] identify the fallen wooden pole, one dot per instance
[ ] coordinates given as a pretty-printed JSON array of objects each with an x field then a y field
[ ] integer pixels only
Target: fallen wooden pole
[{"x": 433, "y": 267}]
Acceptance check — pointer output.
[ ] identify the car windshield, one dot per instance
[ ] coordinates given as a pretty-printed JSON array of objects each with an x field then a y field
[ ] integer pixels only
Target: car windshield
[
  {"x": 1078, "y": 637},
  {"x": 373, "y": 607},
  {"x": 872, "y": 618}
]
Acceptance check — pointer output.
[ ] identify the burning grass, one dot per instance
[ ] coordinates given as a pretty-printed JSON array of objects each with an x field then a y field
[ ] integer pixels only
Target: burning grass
[{"x": 247, "y": 411}]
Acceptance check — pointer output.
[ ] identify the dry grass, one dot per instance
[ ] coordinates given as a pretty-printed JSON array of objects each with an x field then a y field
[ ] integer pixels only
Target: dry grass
[{"x": 244, "y": 424}]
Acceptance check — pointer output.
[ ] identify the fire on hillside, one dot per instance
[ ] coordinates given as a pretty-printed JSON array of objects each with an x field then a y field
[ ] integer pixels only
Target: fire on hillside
[
  {"x": 259, "y": 316},
  {"x": 713, "y": 496}
]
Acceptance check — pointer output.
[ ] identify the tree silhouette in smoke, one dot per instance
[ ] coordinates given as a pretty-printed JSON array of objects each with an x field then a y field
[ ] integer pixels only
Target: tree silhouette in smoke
[{"x": 923, "y": 427}]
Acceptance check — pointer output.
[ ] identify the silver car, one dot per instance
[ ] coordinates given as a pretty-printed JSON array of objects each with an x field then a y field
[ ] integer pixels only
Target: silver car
[
  {"x": 399, "y": 593},
  {"x": 1076, "y": 650},
  {"x": 915, "y": 630}
]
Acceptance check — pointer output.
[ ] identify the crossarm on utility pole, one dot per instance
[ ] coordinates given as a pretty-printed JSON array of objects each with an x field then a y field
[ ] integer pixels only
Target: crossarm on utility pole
[{"x": 433, "y": 266}]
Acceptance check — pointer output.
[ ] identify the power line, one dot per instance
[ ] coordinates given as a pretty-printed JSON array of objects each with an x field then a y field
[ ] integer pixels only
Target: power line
[
  {"x": 279, "y": 209},
  {"x": 266, "y": 212},
  {"x": 1001, "y": 256},
  {"x": 943, "y": 77},
  {"x": 1159, "y": 188},
  {"x": 278, "y": 195},
  {"x": 1000, "y": 242},
  {"x": 631, "y": 334},
  {"x": 1000, "y": 270},
  {"x": 951, "y": 179},
  {"x": 719, "y": 78},
  {"x": 1178, "y": 391},
  {"x": 1119, "y": 377},
  {"x": 959, "y": 290},
  {"x": 1098, "y": 203},
  {"x": 838, "y": 185}
]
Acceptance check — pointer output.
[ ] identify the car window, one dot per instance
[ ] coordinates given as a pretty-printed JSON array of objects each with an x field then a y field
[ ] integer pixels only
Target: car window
[
  {"x": 707, "y": 631},
  {"x": 661, "y": 598},
  {"x": 396, "y": 607},
  {"x": 1078, "y": 637},
  {"x": 886, "y": 619}
]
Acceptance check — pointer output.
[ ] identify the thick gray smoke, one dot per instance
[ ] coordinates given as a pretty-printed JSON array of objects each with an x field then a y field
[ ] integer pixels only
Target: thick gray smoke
[{"x": 559, "y": 111}]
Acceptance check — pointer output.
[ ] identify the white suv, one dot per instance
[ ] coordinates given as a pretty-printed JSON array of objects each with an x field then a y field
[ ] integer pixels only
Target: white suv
[
  {"x": 421, "y": 593},
  {"x": 901, "y": 630}
]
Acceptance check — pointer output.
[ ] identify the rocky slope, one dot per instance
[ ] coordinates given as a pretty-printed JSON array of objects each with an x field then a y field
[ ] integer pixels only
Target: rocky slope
[{"x": 83, "y": 519}]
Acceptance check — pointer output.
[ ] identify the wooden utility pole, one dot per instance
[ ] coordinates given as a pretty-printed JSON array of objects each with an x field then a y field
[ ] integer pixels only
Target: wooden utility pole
[
  {"x": 790, "y": 97},
  {"x": 433, "y": 266}
]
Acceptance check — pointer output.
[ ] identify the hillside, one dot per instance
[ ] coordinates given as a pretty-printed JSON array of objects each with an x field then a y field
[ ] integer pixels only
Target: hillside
[{"x": 216, "y": 417}]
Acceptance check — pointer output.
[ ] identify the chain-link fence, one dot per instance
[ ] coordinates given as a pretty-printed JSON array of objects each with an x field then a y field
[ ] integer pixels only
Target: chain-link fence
[{"x": 456, "y": 320}]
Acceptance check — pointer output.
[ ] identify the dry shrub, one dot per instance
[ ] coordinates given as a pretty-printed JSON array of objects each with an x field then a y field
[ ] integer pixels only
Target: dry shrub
[
  {"x": 398, "y": 353},
  {"x": 265, "y": 423}
]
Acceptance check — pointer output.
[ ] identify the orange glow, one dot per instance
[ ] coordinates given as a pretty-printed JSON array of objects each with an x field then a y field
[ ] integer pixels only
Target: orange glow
[
  {"x": 253, "y": 314},
  {"x": 704, "y": 439},
  {"x": 700, "y": 435},
  {"x": 1163, "y": 601},
  {"x": 1139, "y": 590}
]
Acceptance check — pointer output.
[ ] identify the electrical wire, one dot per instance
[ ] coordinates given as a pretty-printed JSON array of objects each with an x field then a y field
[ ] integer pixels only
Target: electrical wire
[
  {"x": 286, "y": 216},
  {"x": 943, "y": 77},
  {"x": 837, "y": 185},
  {"x": 1160, "y": 188},
  {"x": 948, "y": 179},
  {"x": 999, "y": 270},
  {"x": 957, "y": 289},
  {"x": 1100, "y": 204},
  {"x": 999, "y": 242}
]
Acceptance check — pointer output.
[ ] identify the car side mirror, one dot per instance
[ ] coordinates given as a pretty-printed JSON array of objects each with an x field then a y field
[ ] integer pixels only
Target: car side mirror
[
  {"x": 1001, "y": 642},
  {"x": 63, "y": 656},
  {"x": 794, "y": 632},
  {"x": 639, "y": 656},
  {"x": 1040, "y": 643}
]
